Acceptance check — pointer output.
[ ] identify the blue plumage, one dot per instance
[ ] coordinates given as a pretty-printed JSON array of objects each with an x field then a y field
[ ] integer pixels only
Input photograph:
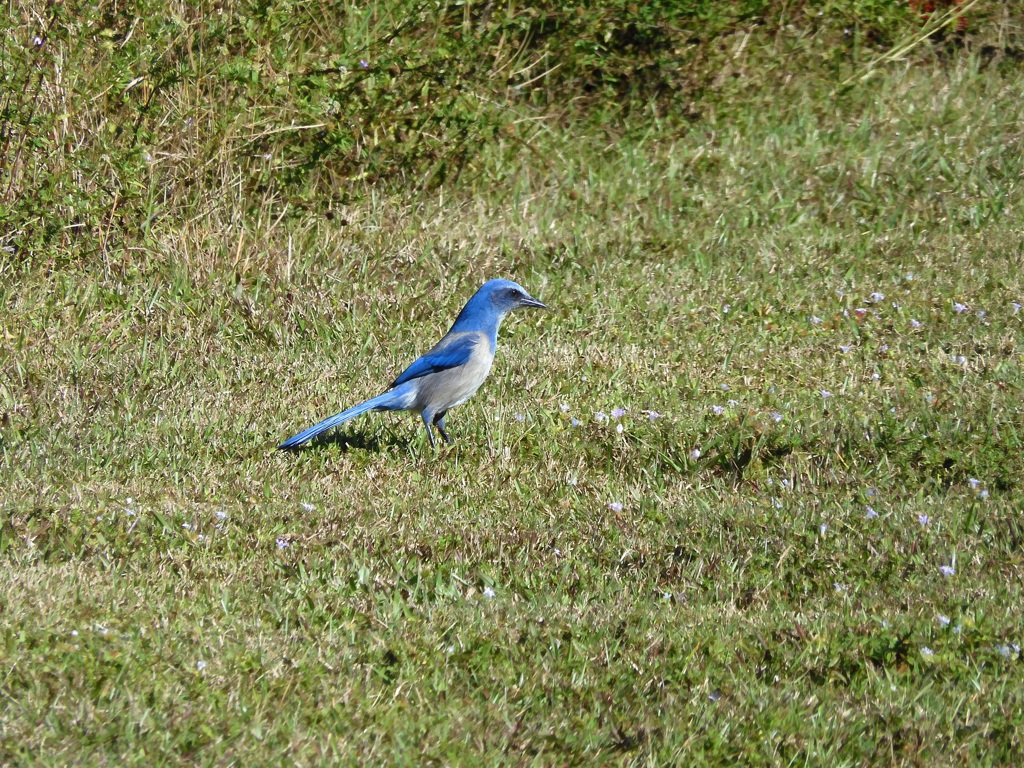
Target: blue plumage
[
  {"x": 450, "y": 373},
  {"x": 456, "y": 353}
]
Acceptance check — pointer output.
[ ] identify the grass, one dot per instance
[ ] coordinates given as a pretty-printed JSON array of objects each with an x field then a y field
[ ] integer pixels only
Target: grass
[{"x": 754, "y": 575}]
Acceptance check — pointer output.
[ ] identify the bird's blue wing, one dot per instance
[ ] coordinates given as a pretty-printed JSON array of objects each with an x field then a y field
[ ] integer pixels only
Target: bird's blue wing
[{"x": 447, "y": 354}]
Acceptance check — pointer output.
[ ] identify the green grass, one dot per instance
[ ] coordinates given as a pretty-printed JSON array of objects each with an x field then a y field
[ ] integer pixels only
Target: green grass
[{"x": 770, "y": 591}]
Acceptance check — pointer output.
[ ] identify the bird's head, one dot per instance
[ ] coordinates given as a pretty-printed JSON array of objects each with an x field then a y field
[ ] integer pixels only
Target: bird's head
[
  {"x": 489, "y": 305},
  {"x": 505, "y": 296}
]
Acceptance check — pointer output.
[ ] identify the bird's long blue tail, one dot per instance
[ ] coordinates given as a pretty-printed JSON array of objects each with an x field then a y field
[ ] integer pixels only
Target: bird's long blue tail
[{"x": 392, "y": 400}]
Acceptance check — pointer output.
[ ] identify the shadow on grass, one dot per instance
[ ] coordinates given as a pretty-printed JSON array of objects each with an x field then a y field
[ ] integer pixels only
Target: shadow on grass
[{"x": 351, "y": 441}]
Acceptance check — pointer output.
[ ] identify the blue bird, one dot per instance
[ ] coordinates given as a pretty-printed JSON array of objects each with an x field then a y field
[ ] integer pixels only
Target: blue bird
[{"x": 450, "y": 373}]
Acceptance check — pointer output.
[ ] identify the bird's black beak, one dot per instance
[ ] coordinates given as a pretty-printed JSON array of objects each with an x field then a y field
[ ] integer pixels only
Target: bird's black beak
[{"x": 529, "y": 301}]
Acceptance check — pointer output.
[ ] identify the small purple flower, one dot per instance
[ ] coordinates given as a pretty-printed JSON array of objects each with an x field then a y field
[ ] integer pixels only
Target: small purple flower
[
  {"x": 815, "y": 320},
  {"x": 915, "y": 323},
  {"x": 615, "y": 506},
  {"x": 884, "y": 348},
  {"x": 1016, "y": 307},
  {"x": 695, "y": 454},
  {"x": 826, "y": 394},
  {"x": 923, "y": 519},
  {"x": 959, "y": 308},
  {"x": 200, "y": 665},
  {"x": 618, "y": 413},
  {"x": 489, "y": 592},
  {"x": 725, "y": 309},
  {"x": 983, "y": 494},
  {"x": 724, "y": 387},
  {"x": 563, "y": 407},
  {"x": 943, "y": 620},
  {"x": 222, "y": 515},
  {"x": 600, "y": 417},
  {"x": 574, "y": 422},
  {"x": 926, "y": 651},
  {"x": 947, "y": 570},
  {"x": 282, "y": 543},
  {"x": 776, "y": 416},
  {"x": 870, "y": 514},
  {"x": 364, "y": 64},
  {"x": 732, "y": 403},
  {"x": 653, "y": 415},
  {"x": 37, "y": 41},
  {"x": 718, "y": 410},
  {"x": 823, "y": 528},
  {"x": 877, "y": 297},
  {"x": 981, "y": 314},
  {"x": 973, "y": 482},
  {"x": 519, "y": 417},
  {"x": 307, "y": 506},
  {"x": 845, "y": 348}
]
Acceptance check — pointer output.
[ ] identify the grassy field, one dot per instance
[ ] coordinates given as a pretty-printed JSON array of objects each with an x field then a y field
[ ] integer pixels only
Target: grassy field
[{"x": 750, "y": 492}]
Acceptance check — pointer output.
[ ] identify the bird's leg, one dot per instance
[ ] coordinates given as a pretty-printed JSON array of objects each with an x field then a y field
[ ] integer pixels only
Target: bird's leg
[
  {"x": 430, "y": 434},
  {"x": 439, "y": 423}
]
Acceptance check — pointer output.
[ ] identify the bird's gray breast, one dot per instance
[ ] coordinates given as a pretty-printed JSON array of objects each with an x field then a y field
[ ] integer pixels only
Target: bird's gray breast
[{"x": 446, "y": 389}]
